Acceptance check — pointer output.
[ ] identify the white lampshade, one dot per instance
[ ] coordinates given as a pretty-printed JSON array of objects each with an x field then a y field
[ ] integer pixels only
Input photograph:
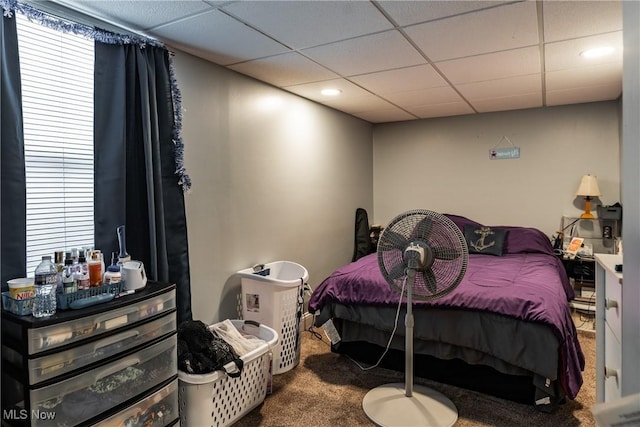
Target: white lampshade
[{"x": 588, "y": 186}]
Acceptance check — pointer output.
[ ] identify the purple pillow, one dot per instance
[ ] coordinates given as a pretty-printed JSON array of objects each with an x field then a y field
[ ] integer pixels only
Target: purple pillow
[{"x": 518, "y": 239}]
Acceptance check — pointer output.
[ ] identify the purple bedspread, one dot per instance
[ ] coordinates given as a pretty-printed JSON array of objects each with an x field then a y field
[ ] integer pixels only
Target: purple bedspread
[{"x": 529, "y": 285}]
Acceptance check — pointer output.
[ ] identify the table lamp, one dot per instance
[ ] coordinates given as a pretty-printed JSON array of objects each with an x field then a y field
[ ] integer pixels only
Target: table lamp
[{"x": 588, "y": 189}]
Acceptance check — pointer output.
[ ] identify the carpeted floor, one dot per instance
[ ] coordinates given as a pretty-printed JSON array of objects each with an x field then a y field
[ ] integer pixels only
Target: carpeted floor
[{"x": 326, "y": 390}]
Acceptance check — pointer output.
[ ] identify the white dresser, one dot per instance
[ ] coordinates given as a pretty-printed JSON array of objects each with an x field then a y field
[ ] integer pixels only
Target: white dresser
[{"x": 608, "y": 327}]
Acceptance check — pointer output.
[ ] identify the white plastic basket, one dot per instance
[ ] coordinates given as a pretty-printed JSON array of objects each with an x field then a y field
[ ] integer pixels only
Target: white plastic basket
[
  {"x": 272, "y": 296},
  {"x": 218, "y": 400}
]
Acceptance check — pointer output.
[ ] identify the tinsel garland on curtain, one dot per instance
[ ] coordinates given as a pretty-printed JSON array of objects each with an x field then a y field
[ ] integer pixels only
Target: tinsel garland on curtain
[{"x": 107, "y": 37}]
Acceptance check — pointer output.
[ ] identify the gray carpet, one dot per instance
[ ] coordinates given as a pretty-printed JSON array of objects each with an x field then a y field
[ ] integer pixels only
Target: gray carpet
[{"x": 327, "y": 389}]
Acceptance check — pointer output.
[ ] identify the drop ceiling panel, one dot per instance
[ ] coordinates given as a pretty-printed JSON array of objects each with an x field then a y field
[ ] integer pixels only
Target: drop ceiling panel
[
  {"x": 301, "y": 24},
  {"x": 412, "y": 12},
  {"x": 142, "y": 15},
  {"x": 312, "y": 90},
  {"x": 570, "y": 19},
  {"x": 579, "y": 95},
  {"x": 438, "y": 95},
  {"x": 400, "y": 80},
  {"x": 501, "y": 88},
  {"x": 597, "y": 75},
  {"x": 492, "y": 66},
  {"x": 227, "y": 40},
  {"x": 383, "y": 116},
  {"x": 359, "y": 104},
  {"x": 367, "y": 54},
  {"x": 566, "y": 54},
  {"x": 491, "y": 30},
  {"x": 516, "y": 102},
  {"x": 441, "y": 110},
  {"x": 284, "y": 70}
]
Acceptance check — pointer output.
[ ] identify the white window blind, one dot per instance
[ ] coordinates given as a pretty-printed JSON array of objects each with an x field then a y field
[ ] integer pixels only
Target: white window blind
[{"x": 57, "y": 103}]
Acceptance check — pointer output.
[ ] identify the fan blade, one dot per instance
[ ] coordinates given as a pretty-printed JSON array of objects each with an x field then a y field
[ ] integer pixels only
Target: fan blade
[
  {"x": 423, "y": 228},
  {"x": 430, "y": 281},
  {"x": 397, "y": 271},
  {"x": 447, "y": 254},
  {"x": 391, "y": 240}
]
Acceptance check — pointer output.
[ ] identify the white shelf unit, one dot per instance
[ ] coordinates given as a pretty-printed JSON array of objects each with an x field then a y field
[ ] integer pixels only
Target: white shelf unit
[{"x": 609, "y": 346}]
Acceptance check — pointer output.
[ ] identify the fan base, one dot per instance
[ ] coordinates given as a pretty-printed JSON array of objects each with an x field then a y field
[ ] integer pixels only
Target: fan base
[{"x": 387, "y": 405}]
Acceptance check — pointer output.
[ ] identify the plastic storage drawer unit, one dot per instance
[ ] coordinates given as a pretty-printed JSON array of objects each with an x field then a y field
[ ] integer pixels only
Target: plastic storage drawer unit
[{"x": 79, "y": 398}]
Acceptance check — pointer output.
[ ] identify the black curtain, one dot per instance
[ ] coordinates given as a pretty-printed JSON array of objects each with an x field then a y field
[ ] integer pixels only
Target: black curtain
[
  {"x": 13, "y": 198},
  {"x": 135, "y": 180}
]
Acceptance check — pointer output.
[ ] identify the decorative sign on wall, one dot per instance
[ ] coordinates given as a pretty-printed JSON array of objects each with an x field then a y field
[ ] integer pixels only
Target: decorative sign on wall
[{"x": 511, "y": 152}]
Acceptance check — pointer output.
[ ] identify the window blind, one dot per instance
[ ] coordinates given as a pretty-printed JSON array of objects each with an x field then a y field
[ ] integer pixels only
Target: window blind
[{"x": 57, "y": 102}]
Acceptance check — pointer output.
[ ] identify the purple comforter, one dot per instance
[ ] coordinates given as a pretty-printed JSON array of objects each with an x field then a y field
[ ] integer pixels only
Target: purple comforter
[{"x": 529, "y": 285}]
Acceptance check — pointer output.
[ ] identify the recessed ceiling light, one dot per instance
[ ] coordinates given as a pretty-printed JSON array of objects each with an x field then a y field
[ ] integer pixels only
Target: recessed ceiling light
[
  {"x": 597, "y": 52},
  {"x": 331, "y": 92}
]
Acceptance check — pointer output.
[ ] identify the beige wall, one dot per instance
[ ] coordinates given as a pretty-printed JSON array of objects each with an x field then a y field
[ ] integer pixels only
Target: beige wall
[
  {"x": 275, "y": 177},
  {"x": 443, "y": 164}
]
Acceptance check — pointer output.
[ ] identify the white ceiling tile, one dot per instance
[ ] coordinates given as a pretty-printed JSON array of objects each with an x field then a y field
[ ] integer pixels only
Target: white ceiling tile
[
  {"x": 516, "y": 102},
  {"x": 358, "y": 104},
  {"x": 301, "y": 24},
  {"x": 227, "y": 40},
  {"x": 437, "y": 95},
  {"x": 402, "y": 79},
  {"x": 566, "y": 54},
  {"x": 441, "y": 110},
  {"x": 413, "y": 12},
  {"x": 583, "y": 94},
  {"x": 565, "y": 20},
  {"x": 385, "y": 116},
  {"x": 363, "y": 54},
  {"x": 598, "y": 75},
  {"x": 492, "y": 66},
  {"x": 490, "y": 30},
  {"x": 140, "y": 14},
  {"x": 312, "y": 90},
  {"x": 284, "y": 70},
  {"x": 506, "y": 87}
]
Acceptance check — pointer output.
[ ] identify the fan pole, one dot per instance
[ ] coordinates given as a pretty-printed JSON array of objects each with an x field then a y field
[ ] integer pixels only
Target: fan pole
[{"x": 408, "y": 343}]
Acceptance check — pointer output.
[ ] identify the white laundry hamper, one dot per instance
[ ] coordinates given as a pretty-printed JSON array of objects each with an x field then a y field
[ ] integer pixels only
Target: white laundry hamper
[
  {"x": 217, "y": 400},
  {"x": 273, "y": 294}
]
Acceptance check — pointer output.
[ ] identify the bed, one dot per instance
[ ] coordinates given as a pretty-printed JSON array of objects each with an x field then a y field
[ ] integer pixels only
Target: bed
[{"x": 506, "y": 329}]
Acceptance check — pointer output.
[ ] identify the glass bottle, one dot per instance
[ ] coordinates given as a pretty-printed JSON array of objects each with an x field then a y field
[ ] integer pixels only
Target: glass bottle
[
  {"x": 58, "y": 261},
  {"x": 46, "y": 277},
  {"x": 81, "y": 274}
]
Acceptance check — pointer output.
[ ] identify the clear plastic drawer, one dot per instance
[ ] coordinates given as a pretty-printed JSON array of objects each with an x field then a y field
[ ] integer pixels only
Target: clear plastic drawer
[
  {"x": 77, "y": 399},
  {"x": 53, "y": 336},
  {"x": 51, "y": 366},
  {"x": 158, "y": 410}
]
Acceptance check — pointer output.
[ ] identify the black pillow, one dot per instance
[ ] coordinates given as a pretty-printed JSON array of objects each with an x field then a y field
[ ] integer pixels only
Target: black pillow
[{"x": 485, "y": 240}]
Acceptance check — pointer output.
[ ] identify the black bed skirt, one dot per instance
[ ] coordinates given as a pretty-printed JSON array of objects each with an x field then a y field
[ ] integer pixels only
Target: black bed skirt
[{"x": 484, "y": 379}]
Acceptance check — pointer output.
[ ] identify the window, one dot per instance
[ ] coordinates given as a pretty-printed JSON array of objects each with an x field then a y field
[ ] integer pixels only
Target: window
[{"x": 57, "y": 103}]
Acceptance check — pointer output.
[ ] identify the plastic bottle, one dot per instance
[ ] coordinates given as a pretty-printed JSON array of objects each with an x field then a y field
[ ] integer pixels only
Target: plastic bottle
[
  {"x": 46, "y": 277},
  {"x": 81, "y": 274},
  {"x": 68, "y": 280},
  {"x": 112, "y": 275},
  {"x": 96, "y": 268}
]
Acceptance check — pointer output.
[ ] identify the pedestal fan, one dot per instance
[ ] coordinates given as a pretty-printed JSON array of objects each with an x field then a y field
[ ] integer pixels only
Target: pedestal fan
[{"x": 430, "y": 252}]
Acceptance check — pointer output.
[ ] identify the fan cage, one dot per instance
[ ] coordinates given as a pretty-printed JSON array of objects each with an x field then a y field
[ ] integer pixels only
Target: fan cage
[{"x": 446, "y": 253}]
